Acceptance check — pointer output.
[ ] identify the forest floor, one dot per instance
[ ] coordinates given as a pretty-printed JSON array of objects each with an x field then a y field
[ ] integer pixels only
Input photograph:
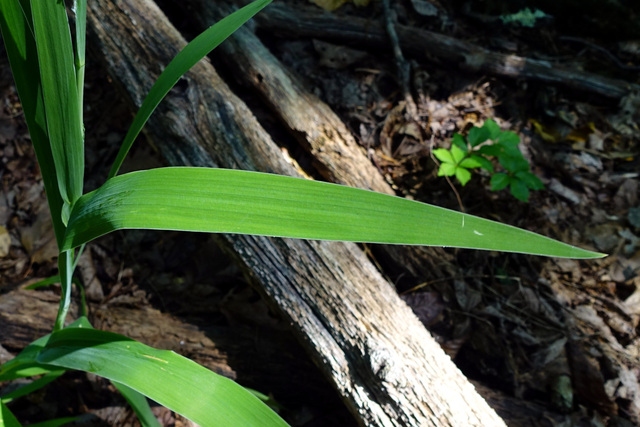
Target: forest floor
[{"x": 548, "y": 341}]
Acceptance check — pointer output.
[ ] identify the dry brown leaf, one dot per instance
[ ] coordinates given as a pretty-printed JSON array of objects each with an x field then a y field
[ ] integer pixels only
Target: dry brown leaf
[{"x": 5, "y": 242}]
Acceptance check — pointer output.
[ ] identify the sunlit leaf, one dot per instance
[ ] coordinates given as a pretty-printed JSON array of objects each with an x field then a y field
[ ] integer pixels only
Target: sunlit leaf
[
  {"x": 471, "y": 162},
  {"x": 7, "y": 419},
  {"x": 61, "y": 101},
  {"x": 234, "y": 201},
  {"x": 457, "y": 154},
  {"x": 447, "y": 169},
  {"x": 484, "y": 162},
  {"x": 178, "y": 383},
  {"x": 197, "y": 49},
  {"x": 443, "y": 155},
  {"x": 463, "y": 175}
]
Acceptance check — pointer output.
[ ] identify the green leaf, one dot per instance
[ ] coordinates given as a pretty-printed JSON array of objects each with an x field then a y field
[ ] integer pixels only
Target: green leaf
[
  {"x": 139, "y": 404},
  {"x": 471, "y": 162},
  {"x": 61, "y": 102},
  {"x": 509, "y": 139},
  {"x": 457, "y": 154},
  {"x": 493, "y": 129},
  {"x": 55, "y": 422},
  {"x": 17, "y": 34},
  {"x": 458, "y": 140},
  {"x": 514, "y": 163},
  {"x": 197, "y": 49},
  {"x": 519, "y": 190},
  {"x": 7, "y": 419},
  {"x": 447, "y": 169},
  {"x": 443, "y": 155},
  {"x": 532, "y": 181},
  {"x": 484, "y": 162},
  {"x": 178, "y": 383},
  {"x": 80, "y": 9},
  {"x": 478, "y": 135},
  {"x": 235, "y": 201},
  {"x": 25, "y": 364},
  {"x": 499, "y": 181},
  {"x": 463, "y": 175},
  {"x": 491, "y": 150},
  {"x": 32, "y": 386}
]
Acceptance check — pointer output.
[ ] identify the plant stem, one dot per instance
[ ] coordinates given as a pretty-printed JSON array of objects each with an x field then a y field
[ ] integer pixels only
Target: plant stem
[
  {"x": 65, "y": 266},
  {"x": 80, "y": 9}
]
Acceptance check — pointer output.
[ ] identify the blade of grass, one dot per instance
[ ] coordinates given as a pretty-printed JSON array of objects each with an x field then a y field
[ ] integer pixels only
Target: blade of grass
[
  {"x": 61, "y": 101},
  {"x": 55, "y": 422},
  {"x": 7, "y": 419},
  {"x": 139, "y": 404},
  {"x": 164, "y": 376},
  {"x": 25, "y": 364},
  {"x": 32, "y": 386},
  {"x": 193, "y": 52},
  {"x": 17, "y": 34},
  {"x": 80, "y": 9},
  {"x": 235, "y": 201}
]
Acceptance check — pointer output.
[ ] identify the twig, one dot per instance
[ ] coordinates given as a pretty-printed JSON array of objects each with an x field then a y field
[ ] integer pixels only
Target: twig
[
  {"x": 602, "y": 50},
  {"x": 404, "y": 70}
]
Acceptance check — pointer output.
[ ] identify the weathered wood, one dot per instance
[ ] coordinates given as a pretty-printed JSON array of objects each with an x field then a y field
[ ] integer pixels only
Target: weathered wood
[
  {"x": 336, "y": 154},
  {"x": 384, "y": 364},
  {"x": 312, "y": 22},
  {"x": 230, "y": 350}
]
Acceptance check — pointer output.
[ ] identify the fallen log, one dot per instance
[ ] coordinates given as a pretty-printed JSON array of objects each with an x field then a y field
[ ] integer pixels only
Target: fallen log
[
  {"x": 311, "y": 22},
  {"x": 336, "y": 154},
  {"x": 26, "y": 315},
  {"x": 385, "y": 365}
]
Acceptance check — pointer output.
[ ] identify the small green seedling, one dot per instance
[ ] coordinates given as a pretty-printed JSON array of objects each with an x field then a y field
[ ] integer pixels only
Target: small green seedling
[{"x": 475, "y": 151}]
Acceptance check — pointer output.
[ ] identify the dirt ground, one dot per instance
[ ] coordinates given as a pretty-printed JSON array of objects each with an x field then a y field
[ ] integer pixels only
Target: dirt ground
[{"x": 550, "y": 342}]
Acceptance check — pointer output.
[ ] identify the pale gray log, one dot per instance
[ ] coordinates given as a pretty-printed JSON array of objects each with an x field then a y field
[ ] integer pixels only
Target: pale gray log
[{"x": 382, "y": 361}]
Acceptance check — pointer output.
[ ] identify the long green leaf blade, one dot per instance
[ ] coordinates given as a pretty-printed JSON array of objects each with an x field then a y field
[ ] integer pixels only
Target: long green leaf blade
[
  {"x": 193, "y": 52},
  {"x": 234, "y": 201},
  {"x": 164, "y": 376},
  {"x": 25, "y": 363},
  {"x": 7, "y": 419},
  {"x": 32, "y": 386},
  {"x": 16, "y": 26},
  {"x": 58, "y": 76},
  {"x": 80, "y": 9},
  {"x": 139, "y": 404}
]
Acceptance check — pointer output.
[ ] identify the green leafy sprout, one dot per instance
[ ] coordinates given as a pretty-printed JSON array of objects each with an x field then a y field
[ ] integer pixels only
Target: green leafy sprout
[
  {"x": 475, "y": 151},
  {"x": 48, "y": 66}
]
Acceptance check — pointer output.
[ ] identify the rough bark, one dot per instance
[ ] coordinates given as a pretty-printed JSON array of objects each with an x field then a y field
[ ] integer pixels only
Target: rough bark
[
  {"x": 384, "y": 364},
  {"x": 311, "y": 22},
  {"x": 230, "y": 350},
  {"x": 336, "y": 154}
]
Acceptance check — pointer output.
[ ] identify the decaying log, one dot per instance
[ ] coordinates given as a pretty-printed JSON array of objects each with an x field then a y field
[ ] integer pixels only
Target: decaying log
[
  {"x": 311, "y": 22},
  {"x": 382, "y": 361},
  {"x": 337, "y": 156},
  {"x": 230, "y": 350}
]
